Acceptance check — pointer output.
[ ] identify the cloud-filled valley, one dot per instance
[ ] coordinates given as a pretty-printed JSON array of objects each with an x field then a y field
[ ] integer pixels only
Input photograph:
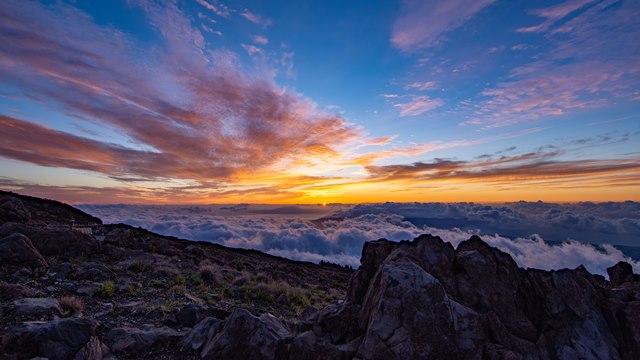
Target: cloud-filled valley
[{"x": 313, "y": 233}]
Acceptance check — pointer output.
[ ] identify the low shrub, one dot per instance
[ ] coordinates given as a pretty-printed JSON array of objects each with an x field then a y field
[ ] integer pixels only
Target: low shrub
[{"x": 107, "y": 289}]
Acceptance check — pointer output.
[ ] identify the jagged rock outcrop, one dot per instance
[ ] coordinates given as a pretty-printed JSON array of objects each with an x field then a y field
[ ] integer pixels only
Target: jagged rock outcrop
[{"x": 425, "y": 300}]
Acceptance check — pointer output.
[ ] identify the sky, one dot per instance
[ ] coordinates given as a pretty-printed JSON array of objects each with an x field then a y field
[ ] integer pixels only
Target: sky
[{"x": 204, "y": 101}]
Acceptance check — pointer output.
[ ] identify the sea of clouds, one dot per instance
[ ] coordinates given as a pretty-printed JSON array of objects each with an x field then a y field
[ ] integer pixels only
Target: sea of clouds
[{"x": 336, "y": 234}]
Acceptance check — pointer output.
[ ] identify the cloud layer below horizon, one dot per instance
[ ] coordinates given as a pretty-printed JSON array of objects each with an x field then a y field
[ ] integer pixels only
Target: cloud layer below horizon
[{"x": 339, "y": 238}]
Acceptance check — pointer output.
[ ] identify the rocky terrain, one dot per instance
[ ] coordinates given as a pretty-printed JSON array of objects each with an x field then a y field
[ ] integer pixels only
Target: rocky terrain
[{"x": 92, "y": 291}]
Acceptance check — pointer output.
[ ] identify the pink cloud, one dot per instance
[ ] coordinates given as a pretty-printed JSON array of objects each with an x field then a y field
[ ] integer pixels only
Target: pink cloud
[
  {"x": 256, "y": 19},
  {"x": 427, "y": 85},
  {"x": 423, "y": 23},
  {"x": 555, "y": 13},
  {"x": 216, "y": 7},
  {"x": 593, "y": 63},
  {"x": 418, "y": 105},
  {"x": 251, "y": 49},
  {"x": 260, "y": 40},
  {"x": 226, "y": 121}
]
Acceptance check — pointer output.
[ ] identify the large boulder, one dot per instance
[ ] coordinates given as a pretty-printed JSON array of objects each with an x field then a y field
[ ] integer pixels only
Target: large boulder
[
  {"x": 202, "y": 333},
  {"x": 37, "y": 306},
  {"x": 55, "y": 340},
  {"x": 245, "y": 336},
  {"x": 131, "y": 340},
  {"x": 17, "y": 249},
  {"x": 190, "y": 315},
  {"x": 13, "y": 210},
  {"x": 14, "y": 291}
]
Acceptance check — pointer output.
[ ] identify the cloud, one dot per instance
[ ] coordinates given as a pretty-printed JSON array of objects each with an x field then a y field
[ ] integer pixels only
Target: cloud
[
  {"x": 256, "y": 19},
  {"x": 260, "y": 40},
  {"x": 592, "y": 61},
  {"x": 418, "y": 105},
  {"x": 555, "y": 13},
  {"x": 423, "y": 23},
  {"x": 427, "y": 85},
  {"x": 251, "y": 49},
  {"x": 226, "y": 122},
  {"x": 420, "y": 149},
  {"x": 515, "y": 170},
  {"x": 216, "y": 7},
  {"x": 339, "y": 238}
]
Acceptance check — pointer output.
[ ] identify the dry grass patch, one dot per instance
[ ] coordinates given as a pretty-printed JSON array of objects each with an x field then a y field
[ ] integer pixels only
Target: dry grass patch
[{"x": 71, "y": 306}]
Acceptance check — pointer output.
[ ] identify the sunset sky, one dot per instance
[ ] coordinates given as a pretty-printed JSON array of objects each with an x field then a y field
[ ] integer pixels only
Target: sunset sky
[{"x": 204, "y": 101}]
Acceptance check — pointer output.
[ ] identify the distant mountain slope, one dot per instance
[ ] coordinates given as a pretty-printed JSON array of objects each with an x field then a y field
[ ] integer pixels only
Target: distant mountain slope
[{"x": 42, "y": 211}]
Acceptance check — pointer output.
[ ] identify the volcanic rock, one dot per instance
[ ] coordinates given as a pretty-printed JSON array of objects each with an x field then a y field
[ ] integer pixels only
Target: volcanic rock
[
  {"x": 17, "y": 249},
  {"x": 56, "y": 340},
  {"x": 127, "y": 339},
  {"x": 245, "y": 336},
  {"x": 37, "y": 306},
  {"x": 13, "y": 210}
]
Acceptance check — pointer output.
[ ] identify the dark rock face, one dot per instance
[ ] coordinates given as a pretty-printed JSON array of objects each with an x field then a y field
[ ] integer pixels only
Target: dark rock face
[
  {"x": 14, "y": 291},
  {"x": 12, "y": 209},
  {"x": 620, "y": 272},
  {"x": 37, "y": 306},
  {"x": 17, "y": 249},
  {"x": 245, "y": 336},
  {"x": 425, "y": 300},
  {"x": 62, "y": 243},
  {"x": 127, "y": 339},
  {"x": 56, "y": 340},
  {"x": 190, "y": 315},
  {"x": 202, "y": 333}
]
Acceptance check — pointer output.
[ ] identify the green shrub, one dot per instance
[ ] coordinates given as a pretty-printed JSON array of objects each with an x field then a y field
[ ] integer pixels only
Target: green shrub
[
  {"x": 107, "y": 289},
  {"x": 257, "y": 292}
]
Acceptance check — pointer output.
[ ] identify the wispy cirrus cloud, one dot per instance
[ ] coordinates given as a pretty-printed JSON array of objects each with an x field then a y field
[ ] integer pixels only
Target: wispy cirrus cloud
[
  {"x": 422, "y": 86},
  {"x": 530, "y": 166},
  {"x": 418, "y": 105},
  {"x": 555, "y": 13},
  {"x": 216, "y": 7},
  {"x": 260, "y": 40},
  {"x": 256, "y": 19},
  {"x": 593, "y": 61},
  {"x": 423, "y": 23}
]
